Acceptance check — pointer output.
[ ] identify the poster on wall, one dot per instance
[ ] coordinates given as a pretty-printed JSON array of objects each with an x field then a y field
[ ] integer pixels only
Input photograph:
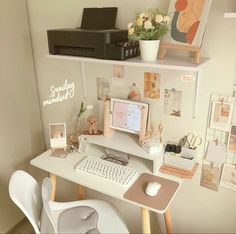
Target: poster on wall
[
  {"x": 118, "y": 78},
  {"x": 228, "y": 179},
  {"x": 221, "y": 114},
  {"x": 103, "y": 89},
  {"x": 173, "y": 102},
  {"x": 189, "y": 19},
  {"x": 152, "y": 85}
]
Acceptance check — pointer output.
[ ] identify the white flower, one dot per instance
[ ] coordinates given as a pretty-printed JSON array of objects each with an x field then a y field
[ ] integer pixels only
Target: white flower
[
  {"x": 139, "y": 22},
  {"x": 130, "y": 25},
  {"x": 152, "y": 28},
  {"x": 89, "y": 107},
  {"x": 166, "y": 19},
  {"x": 130, "y": 31},
  {"x": 142, "y": 15},
  {"x": 159, "y": 19},
  {"x": 148, "y": 24}
]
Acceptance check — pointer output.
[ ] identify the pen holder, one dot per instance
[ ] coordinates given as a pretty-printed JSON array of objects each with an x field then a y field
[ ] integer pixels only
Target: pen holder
[{"x": 185, "y": 160}]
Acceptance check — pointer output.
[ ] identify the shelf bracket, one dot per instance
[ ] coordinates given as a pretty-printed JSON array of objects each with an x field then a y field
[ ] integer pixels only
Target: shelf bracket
[
  {"x": 82, "y": 65},
  {"x": 196, "y": 92}
]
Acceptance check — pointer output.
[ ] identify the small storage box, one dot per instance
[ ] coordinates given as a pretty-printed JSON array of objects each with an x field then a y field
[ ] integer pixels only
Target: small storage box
[
  {"x": 123, "y": 50},
  {"x": 186, "y": 160}
]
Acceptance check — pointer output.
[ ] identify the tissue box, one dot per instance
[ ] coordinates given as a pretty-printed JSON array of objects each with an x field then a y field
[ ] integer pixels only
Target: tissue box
[
  {"x": 151, "y": 146},
  {"x": 186, "y": 160}
]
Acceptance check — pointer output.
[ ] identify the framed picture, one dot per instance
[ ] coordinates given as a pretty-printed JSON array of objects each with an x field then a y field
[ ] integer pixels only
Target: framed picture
[
  {"x": 232, "y": 139},
  {"x": 228, "y": 179},
  {"x": 57, "y": 132},
  {"x": 221, "y": 114},
  {"x": 189, "y": 19}
]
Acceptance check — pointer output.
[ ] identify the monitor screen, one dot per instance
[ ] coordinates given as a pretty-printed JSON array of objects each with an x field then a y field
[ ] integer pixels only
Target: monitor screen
[{"x": 126, "y": 115}]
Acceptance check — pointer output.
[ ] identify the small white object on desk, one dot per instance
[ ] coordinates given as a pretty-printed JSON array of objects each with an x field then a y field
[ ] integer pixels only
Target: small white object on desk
[
  {"x": 151, "y": 146},
  {"x": 152, "y": 188}
]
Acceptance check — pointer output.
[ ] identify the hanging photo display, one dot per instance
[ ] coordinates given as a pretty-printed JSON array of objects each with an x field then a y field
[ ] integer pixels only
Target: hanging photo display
[
  {"x": 228, "y": 179},
  {"x": 152, "y": 85},
  {"x": 210, "y": 177},
  {"x": 173, "y": 102},
  {"x": 232, "y": 139},
  {"x": 103, "y": 89},
  {"x": 134, "y": 92},
  {"x": 221, "y": 114},
  {"x": 118, "y": 78}
]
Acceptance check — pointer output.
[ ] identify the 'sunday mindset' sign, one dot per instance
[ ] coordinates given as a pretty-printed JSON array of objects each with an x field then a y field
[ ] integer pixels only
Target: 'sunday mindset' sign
[{"x": 60, "y": 93}]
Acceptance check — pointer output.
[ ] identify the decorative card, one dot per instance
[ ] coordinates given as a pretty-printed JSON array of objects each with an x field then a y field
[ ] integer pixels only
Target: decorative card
[{"x": 210, "y": 177}]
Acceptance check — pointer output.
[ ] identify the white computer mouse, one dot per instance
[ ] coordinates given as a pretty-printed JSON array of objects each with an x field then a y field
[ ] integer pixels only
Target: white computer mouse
[{"x": 152, "y": 188}]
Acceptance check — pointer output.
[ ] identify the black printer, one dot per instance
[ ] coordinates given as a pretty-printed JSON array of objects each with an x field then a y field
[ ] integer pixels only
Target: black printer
[{"x": 97, "y": 37}]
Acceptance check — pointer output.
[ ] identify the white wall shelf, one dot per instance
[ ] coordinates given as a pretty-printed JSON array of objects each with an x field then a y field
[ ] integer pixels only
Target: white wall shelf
[
  {"x": 230, "y": 15},
  {"x": 173, "y": 63}
]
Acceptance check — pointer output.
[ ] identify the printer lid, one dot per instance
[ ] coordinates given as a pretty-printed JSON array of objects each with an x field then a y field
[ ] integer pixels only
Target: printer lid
[{"x": 99, "y": 18}]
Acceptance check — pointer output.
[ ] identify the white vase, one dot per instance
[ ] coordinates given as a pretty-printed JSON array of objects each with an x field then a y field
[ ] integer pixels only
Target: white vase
[{"x": 149, "y": 49}]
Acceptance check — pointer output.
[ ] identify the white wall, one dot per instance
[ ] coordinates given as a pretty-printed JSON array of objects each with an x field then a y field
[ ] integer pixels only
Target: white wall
[
  {"x": 195, "y": 209},
  {"x": 21, "y": 136}
]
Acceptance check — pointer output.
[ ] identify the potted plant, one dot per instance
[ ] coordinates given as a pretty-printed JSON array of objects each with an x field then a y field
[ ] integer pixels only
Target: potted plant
[{"x": 149, "y": 27}]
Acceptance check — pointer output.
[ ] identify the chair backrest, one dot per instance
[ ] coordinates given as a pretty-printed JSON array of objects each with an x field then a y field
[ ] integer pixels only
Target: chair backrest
[
  {"x": 46, "y": 193},
  {"x": 25, "y": 193}
]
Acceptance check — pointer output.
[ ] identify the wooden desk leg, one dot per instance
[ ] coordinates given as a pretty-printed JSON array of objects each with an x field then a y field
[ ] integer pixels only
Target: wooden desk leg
[
  {"x": 145, "y": 221},
  {"x": 53, "y": 179},
  {"x": 169, "y": 228},
  {"x": 81, "y": 192}
]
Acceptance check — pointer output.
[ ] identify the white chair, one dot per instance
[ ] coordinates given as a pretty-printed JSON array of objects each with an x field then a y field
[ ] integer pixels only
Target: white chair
[{"x": 85, "y": 216}]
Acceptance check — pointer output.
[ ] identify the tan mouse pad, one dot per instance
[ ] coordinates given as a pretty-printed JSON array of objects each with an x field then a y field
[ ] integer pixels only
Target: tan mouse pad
[{"x": 136, "y": 192}]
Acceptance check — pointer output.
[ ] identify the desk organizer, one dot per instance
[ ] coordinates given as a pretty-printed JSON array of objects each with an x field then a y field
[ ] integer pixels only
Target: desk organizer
[{"x": 183, "y": 163}]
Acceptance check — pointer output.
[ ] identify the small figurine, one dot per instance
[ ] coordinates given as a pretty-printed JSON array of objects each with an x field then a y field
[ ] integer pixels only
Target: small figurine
[{"x": 93, "y": 125}]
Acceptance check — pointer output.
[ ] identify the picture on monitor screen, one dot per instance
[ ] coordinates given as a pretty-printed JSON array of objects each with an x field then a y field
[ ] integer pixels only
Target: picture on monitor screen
[{"x": 127, "y": 115}]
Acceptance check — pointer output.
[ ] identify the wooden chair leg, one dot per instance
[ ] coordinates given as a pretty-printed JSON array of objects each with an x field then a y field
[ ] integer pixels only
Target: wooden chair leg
[
  {"x": 146, "y": 221},
  {"x": 169, "y": 228},
  {"x": 53, "y": 179}
]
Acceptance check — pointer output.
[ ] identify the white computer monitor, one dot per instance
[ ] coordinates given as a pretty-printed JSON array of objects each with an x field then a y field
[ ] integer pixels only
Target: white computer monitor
[{"x": 127, "y": 115}]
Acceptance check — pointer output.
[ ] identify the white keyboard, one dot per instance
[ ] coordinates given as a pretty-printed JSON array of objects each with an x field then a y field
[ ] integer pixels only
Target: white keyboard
[{"x": 116, "y": 173}]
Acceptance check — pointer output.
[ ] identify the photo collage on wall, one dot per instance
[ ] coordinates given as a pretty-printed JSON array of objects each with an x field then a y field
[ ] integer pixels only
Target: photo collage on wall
[
  {"x": 172, "y": 98},
  {"x": 220, "y": 143}
]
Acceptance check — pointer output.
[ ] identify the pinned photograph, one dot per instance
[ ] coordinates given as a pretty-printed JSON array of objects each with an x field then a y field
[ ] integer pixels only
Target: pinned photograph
[
  {"x": 173, "y": 102},
  {"x": 118, "y": 78},
  {"x": 152, "y": 85},
  {"x": 228, "y": 179},
  {"x": 210, "y": 177},
  {"x": 232, "y": 139},
  {"x": 216, "y": 152},
  {"x": 57, "y": 133},
  {"x": 103, "y": 89},
  {"x": 221, "y": 115}
]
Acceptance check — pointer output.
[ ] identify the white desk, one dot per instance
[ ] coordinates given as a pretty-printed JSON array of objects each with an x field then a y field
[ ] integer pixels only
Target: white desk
[{"x": 64, "y": 168}]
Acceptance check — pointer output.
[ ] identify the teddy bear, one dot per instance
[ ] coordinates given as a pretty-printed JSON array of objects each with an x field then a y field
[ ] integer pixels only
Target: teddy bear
[{"x": 93, "y": 125}]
